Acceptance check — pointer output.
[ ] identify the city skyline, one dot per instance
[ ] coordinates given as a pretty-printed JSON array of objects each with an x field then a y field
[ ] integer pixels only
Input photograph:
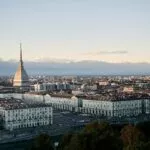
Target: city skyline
[{"x": 65, "y": 31}]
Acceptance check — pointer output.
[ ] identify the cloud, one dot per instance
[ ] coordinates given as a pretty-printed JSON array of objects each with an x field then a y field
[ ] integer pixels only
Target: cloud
[
  {"x": 114, "y": 52},
  {"x": 117, "y": 52},
  {"x": 52, "y": 60},
  {"x": 77, "y": 68}
]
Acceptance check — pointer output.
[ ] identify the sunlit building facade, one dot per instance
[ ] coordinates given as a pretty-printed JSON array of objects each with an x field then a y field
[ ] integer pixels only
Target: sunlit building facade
[{"x": 17, "y": 114}]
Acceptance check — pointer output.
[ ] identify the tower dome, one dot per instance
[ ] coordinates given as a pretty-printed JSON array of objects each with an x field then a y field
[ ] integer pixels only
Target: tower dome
[{"x": 21, "y": 78}]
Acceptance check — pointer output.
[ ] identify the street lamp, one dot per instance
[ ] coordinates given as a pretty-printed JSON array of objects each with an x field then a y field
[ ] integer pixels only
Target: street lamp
[{"x": 56, "y": 145}]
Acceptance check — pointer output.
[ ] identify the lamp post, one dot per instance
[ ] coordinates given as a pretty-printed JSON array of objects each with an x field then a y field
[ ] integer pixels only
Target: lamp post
[{"x": 56, "y": 145}]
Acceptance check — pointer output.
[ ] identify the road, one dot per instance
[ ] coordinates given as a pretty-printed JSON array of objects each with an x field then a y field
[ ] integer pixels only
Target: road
[{"x": 63, "y": 122}]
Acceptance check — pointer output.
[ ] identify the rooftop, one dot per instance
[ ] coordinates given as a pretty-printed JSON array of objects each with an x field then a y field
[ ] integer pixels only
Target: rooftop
[
  {"x": 116, "y": 96},
  {"x": 12, "y": 103}
]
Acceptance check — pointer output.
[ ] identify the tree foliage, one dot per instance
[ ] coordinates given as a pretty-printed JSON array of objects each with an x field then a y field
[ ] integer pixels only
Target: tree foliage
[
  {"x": 94, "y": 136},
  {"x": 42, "y": 142},
  {"x": 100, "y": 136},
  {"x": 132, "y": 137}
]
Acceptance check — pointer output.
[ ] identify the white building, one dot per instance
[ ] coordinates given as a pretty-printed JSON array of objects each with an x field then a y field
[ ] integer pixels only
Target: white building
[
  {"x": 63, "y": 103},
  {"x": 38, "y": 87},
  {"x": 103, "y": 108},
  {"x": 51, "y": 87},
  {"x": 18, "y": 114},
  {"x": 113, "y": 108},
  {"x": 146, "y": 106},
  {"x": 89, "y": 87},
  {"x": 106, "y": 106}
]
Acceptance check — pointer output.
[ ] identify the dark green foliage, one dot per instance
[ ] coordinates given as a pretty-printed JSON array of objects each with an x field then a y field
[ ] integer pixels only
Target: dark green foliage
[
  {"x": 132, "y": 138},
  {"x": 94, "y": 136},
  {"x": 101, "y": 136},
  {"x": 145, "y": 128},
  {"x": 65, "y": 141},
  {"x": 42, "y": 142}
]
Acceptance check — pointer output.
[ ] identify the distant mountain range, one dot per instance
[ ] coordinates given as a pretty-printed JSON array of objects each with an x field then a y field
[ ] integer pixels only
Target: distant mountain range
[{"x": 76, "y": 68}]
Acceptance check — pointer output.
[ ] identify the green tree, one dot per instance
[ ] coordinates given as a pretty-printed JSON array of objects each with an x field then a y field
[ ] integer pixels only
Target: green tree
[
  {"x": 65, "y": 141},
  {"x": 94, "y": 136},
  {"x": 42, "y": 142},
  {"x": 132, "y": 138}
]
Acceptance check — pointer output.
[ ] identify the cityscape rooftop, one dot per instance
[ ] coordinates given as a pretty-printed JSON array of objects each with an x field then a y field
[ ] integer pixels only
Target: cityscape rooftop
[{"x": 12, "y": 103}]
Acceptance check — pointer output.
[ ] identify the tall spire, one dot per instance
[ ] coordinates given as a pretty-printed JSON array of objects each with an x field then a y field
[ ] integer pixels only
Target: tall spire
[
  {"x": 21, "y": 77},
  {"x": 21, "y": 53}
]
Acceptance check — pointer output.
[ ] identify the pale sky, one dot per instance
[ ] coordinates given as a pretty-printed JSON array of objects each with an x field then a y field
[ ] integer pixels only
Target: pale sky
[{"x": 104, "y": 30}]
